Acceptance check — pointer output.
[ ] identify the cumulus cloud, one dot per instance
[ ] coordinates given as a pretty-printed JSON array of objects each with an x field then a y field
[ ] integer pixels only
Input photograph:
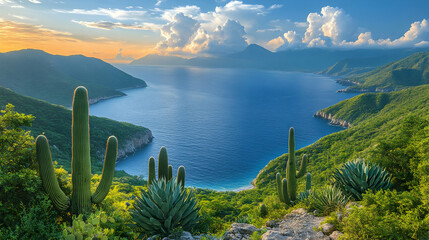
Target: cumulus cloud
[
  {"x": 275, "y": 43},
  {"x": 121, "y": 58},
  {"x": 106, "y": 25},
  {"x": 332, "y": 24},
  {"x": 178, "y": 33},
  {"x": 118, "y": 14},
  {"x": 226, "y": 39},
  {"x": 189, "y": 11}
]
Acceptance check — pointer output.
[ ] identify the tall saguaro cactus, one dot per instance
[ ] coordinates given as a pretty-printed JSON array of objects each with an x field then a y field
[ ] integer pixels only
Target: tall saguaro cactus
[
  {"x": 81, "y": 198},
  {"x": 287, "y": 187},
  {"x": 164, "y": 170}
]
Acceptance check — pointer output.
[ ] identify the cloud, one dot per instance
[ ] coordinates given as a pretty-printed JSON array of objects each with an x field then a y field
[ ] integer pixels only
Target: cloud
[
  {"x": 227, "y": 38},
  {"x": 275, "y": 6},
  {"x": 121, "y": 58},
  {"x": 4, "y": 2},
  {"x": 178, "y": 33},
  {"x": 275, "y": 43},
  {"x": 332, "y": 24},
  {"x": 158, "y": 3},
  {"x": 35, "y": 1},
  {"x": 106, "y": 25},
  {"x": 416, "y": 36},
  {"x": 19, "y": 17},
  {"x": 118, "y": 14},
  {"x": 189, "y": 11}
]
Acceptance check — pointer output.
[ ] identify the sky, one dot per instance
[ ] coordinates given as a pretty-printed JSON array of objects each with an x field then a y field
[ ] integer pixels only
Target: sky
[{"x": 123, "y": 30}]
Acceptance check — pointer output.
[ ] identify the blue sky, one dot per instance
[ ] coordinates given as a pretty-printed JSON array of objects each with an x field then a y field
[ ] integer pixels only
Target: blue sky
[{"x": 121, "y": 30}]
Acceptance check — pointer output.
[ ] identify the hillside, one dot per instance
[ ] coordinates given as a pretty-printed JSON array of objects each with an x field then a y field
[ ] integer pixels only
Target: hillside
[
  {"x": 55, "y": 122},
  {"x": 407, "y": 72},
  {"x": 375, "y": 118},
  {"x": 304, "y": 60},
  {"x": 53, "y": 78}
]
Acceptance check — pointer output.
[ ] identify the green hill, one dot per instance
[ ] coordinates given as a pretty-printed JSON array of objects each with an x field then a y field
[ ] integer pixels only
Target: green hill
[
  {"x": 53, "y": 78},
  {"x": 407, "y": 72},
  {"x": 376, "y": 118},
  {"x": 55, "y": 122}
]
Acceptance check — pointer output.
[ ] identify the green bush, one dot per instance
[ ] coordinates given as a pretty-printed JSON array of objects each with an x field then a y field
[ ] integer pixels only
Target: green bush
[
  {"x": 165, "y": 207},
  {"x": 328, "y": 199},
  {"x": 356, "y": 177},
  {"x": 93, "y": 227},
  {"x": 388, "y": 215}
]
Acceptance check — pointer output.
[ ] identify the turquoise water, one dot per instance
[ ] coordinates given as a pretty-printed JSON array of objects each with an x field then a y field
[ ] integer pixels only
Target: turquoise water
[{"x": 223, "y": 125}]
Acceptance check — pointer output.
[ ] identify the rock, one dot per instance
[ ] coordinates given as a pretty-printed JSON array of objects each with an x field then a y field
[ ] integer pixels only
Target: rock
[
  {"x": 299, "y": 211},
  {"x": 319, "y": 235},
  {"x": 186, "y": 236},
  {"x": 335, "y": 235},
  {"x": 316, "y": 212},
  {"x": 273, "y": 235},
  {"x": 328, "y": 228},
  {"x": 240, "y": 231},
  {"x": 339, "y": 217},
  {"x": 272, "y": 224}
]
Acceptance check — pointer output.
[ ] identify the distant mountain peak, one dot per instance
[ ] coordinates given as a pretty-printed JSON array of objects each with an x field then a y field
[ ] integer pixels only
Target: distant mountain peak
[{"x": 256, "y": 49}]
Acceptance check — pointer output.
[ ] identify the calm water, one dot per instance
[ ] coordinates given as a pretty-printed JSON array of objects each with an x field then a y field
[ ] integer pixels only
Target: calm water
[{"x": 223, "y": 125}]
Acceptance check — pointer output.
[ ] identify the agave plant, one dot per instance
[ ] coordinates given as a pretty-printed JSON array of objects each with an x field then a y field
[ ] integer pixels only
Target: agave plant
[
  {"x": 328, "y": 199},
  {"x": 356, "y": 177},
  {"x": 164, "y": 207}
]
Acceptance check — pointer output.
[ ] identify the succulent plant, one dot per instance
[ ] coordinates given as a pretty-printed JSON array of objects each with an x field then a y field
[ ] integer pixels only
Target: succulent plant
[
  {"x": 328, "y": 199},
  {"x": 81, "y": 199},
  {"x": 164, "y": 170},
  {"x": 356, "y": 177},
  {"x": 263, "y": 211},
  {"x": 287, "y": 187},
  {"x": 164, "y": 207}
]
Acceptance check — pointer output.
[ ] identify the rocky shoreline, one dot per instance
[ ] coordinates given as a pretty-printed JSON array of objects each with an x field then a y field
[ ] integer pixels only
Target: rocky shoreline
[
  {"x": 333, "y": 121},
  {"x": 137, "y": 141}
]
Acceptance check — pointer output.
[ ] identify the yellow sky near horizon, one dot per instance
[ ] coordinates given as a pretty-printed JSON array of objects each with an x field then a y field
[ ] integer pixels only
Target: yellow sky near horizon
[{"x": 16, "y": 36}]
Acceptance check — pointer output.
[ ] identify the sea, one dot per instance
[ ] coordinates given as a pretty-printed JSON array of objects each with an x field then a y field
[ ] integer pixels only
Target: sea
[{"x": 222, "y": 125}]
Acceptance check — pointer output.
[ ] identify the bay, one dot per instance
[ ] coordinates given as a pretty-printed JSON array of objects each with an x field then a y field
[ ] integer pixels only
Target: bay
[{"x": 223, "y": 125}]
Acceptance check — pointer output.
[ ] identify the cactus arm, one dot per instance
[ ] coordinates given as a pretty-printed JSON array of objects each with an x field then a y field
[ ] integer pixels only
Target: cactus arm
[
  {"x": 170, "y": 172},
  {"x": 181, "y": 175},
  {"x": 303, "y": 168},
  {"x": 108, "y": 170},
  {"x": 151, "y": 177},
  {"x": 279, "y": 187},
  {"x": 308, "y": 182},
  {"x": 162, "y": 164},
  {"x": 285, "y": 192},
  {"x": 81, "y": 162},
  {"x": 47, "y": 174},
  {"x": 291, "y": 167}
]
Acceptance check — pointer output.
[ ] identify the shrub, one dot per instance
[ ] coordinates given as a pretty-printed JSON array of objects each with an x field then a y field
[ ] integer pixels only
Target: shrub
[
  {"x": 164, "y": 207},
  {"x": 263, "y": 211},
  {"x": 328, "y": 199},
  {"x": 92, "y": 227},
  {"x": 356, "y": 177},
  {"x": 388, "y": 215}
]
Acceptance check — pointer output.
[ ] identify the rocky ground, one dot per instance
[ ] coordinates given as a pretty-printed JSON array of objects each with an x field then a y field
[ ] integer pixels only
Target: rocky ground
[{"x": 297, "y": 225}]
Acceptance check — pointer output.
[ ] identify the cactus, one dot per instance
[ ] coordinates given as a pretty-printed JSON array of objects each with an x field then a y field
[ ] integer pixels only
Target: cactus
[
  {"x": 308, "y": 182},
  {"x": 163, "y": 163},
  {"x": 81, "y": 200},
  {"x": 164, "y": 170},
  {"x": 181, "y": 176},
  {"x": 263, "y": 211},
  {"x": 170, "y": 172},
  {"x": 287, "y": 188},
  {"x": 151, "y": 177}
]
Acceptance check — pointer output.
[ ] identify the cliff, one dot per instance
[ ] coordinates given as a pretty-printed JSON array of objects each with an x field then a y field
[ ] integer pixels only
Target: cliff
[
  {"x": 136, "y": 142},
  {"x": 333, "y": 121}
]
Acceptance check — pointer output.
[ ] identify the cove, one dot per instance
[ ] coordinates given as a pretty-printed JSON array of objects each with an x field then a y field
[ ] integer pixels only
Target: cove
[{"x": 223, "y": 125}]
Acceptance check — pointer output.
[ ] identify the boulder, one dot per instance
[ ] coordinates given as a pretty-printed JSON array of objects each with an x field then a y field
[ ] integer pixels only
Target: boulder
[
  {"x": 328, "y": 228},
  {"x": 240, "y": 231},
  {"x": 335, "y": 235}
]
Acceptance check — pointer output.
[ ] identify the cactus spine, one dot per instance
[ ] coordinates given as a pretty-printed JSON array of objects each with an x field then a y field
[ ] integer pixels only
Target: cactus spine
[
  {"x": 164, "y": 170},
  {"x": 81, "y": 199},
  {"x": 287, "y": 188}
]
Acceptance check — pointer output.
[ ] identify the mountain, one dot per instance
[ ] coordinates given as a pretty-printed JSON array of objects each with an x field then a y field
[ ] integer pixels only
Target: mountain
[
  {"x": 53, "y": 78},
  {"x": 407, "y": 72},
  {"x": 354, "y": 66},
  {"x": 304, "y": 60},
  {"x": 155, "y": 59},
  {"x": 374, "y": 118},
  {"x": 55, "y": 122}
]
